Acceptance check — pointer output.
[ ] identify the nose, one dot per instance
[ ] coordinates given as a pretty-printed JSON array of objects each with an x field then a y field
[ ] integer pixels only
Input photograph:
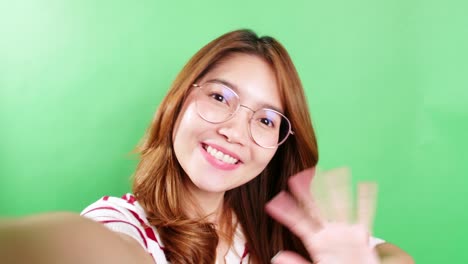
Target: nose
[{"x": 236, "y": 129}]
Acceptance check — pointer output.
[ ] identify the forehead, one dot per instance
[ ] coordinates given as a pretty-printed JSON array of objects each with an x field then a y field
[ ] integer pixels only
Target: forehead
[{"x": 251, "y": 77}]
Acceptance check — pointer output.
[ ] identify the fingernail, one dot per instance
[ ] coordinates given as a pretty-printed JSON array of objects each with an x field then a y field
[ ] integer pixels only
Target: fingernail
[{"x": 276, "y": 255}]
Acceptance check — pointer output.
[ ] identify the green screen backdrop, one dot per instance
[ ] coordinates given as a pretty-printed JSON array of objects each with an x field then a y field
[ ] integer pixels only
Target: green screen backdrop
[{"x": 386, "y": 82}]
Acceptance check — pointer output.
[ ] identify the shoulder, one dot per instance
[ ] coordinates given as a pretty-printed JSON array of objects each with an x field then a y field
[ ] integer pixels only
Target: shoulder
[
  {"x": 124, "y": 215},
  {"x": 115, "y": 208}
]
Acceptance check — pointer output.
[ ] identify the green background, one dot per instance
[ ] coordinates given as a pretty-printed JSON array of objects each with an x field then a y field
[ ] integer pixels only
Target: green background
[{"x": 386, "y": 82}]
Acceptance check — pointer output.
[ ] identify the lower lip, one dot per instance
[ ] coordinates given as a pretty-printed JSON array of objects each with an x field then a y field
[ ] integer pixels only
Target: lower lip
[{"x": 217, "y": 163}]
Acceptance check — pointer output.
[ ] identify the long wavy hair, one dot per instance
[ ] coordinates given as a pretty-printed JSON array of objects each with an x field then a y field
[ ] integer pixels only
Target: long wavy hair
[{"x": 159, "y": 179}]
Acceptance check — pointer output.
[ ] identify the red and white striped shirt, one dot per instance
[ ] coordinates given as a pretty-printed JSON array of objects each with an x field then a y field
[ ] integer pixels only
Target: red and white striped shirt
[{"x": 126, "y": 216}]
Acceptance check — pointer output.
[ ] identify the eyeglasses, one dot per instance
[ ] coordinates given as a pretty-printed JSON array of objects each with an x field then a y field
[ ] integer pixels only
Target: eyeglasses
[{"x": 217, "y": 103}]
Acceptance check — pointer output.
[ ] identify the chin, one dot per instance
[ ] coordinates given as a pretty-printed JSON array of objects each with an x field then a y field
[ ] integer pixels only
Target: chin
[{"x": 212, "y": 189}]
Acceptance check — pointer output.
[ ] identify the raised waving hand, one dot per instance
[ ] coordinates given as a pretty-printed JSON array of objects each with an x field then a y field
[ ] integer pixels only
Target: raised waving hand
[{"x": 333, "y": 228}]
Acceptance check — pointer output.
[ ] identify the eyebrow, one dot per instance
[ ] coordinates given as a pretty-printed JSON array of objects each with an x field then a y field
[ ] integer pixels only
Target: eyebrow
[{"x": 235, "y": 89}]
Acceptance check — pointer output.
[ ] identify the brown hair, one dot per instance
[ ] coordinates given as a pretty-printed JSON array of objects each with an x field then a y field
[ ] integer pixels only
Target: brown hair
[{"x": 159, "y": 179}]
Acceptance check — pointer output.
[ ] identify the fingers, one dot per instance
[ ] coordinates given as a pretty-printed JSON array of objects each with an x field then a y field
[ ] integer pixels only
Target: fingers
[
  {"x": 288, "y": 257},
  {"x": 336, "y": 203},
  {"x": 320, "y": 195},
  {"x": 366, "y": 204},
  {"x": 299, "y": 185},
  {"x": 302, "y": 214},
  {"x": 285, "y": 209},
  {"x": 338, "y": 184}
]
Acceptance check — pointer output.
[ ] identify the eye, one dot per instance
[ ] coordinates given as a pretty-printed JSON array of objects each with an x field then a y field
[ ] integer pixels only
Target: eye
[
  {"x": 218, "y": 97},
  {"x": 267, "y": 122}
]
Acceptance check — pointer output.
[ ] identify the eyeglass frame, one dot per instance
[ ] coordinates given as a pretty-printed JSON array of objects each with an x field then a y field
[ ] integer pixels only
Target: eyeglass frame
[{"x": 239, "y": 105}]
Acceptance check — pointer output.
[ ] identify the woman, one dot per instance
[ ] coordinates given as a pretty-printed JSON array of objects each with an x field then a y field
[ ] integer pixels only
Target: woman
[{"x": 229, "y": 136}]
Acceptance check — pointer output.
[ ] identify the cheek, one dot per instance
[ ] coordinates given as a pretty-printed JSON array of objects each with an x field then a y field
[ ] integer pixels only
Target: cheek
[
  {"x": 264, "y": 156},
  {"x": 185, "y": 118},
  {"x": 181, "y": 135},
  {"x": 185, "y": 123}
]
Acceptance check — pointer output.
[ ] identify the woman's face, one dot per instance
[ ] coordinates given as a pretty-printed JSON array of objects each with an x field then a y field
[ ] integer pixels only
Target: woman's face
[{"x": 222, "y": 156}]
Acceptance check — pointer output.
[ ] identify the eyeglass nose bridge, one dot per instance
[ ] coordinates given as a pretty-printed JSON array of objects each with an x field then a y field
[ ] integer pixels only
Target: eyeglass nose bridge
[
  {"x": 236, "y": 111},
  {"x": 290, "y": 132},
  {"x": 246, "y": 107},
  {"x": 249, "y": 128}
]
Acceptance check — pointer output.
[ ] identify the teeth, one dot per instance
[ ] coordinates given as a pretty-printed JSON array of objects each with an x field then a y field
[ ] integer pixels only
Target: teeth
[{"x": 220, "y": 155}]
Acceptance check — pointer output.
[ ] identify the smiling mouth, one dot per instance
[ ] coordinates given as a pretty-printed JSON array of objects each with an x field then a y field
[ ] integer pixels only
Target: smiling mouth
[{"x": 219, "y": 155}]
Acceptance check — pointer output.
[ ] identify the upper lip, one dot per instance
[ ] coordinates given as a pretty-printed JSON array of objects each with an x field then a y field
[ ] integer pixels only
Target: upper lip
[{"x": 225, "y": 151}]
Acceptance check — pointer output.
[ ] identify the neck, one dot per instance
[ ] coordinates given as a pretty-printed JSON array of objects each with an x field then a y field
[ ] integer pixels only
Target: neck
[
  {"x": 210, "y": 204},
  {"x": 212, "y": 207}
]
